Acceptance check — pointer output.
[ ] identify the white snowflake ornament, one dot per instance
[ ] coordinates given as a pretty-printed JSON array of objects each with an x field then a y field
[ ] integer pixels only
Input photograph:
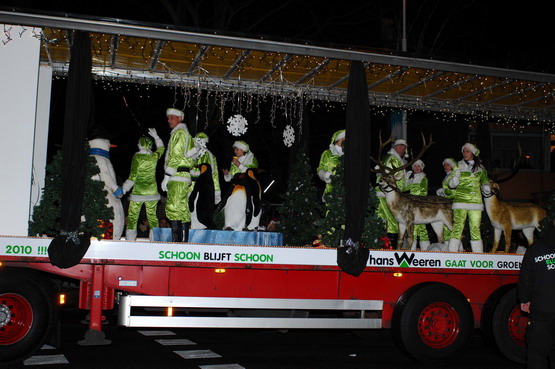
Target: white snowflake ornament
[
  {"x": 288, "y": 136},
  {"x": 237, "y": 125}
]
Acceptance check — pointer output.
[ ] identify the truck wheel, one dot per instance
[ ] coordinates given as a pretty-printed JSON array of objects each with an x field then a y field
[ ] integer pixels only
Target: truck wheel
[
  {"x": 26, "y": 316},
  {"x": 433, "y": 323},
  {"x": 503, "y": 325}
]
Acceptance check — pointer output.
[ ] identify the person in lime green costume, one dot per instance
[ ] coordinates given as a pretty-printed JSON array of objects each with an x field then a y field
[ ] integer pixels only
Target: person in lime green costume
[
  {"x": 393, "y": 159},
  {"x": 449, "y": 166},
  {"x": 467, "y": 200},
  {"x": 204, "y": 156},
  {"x": 330, "y": 159},
  {"x": 417, "y": 184},
  {"x": 243, "y": 160},
  {"x": 177, "y": 179},
  {"x": 142, "y": 178}
]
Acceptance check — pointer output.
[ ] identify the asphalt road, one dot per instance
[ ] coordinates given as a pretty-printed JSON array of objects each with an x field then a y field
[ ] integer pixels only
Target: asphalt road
[{"x": 139, "y": 348}]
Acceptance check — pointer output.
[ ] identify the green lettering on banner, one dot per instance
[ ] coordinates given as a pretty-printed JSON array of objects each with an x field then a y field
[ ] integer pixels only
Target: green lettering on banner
[
  {"x": 23, "y": 250},
  {"x": 254, "y": 258},
  {"x": 178, "y": 255},
  {"x": 455, "y": 263},
  {"x": 485, "y": 264}
]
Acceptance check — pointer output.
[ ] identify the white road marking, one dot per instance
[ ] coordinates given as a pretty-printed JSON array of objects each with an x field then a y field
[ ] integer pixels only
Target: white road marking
[
  {"x": 157, "y": 333},
  {"x": 222, "y": 366},
  {"x": 46, "y": 360},
  {"x": 47, "y": 347},
  {"x": 175, "y": 341},
  {"x": 197, "y": 354}
]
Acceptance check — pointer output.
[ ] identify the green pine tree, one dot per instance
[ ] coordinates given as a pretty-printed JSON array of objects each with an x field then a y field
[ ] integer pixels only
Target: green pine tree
[
  {"x": 46, "y": 215},
  {"x": 301, "y": 206},
  {"x": 332, "y": 225}
]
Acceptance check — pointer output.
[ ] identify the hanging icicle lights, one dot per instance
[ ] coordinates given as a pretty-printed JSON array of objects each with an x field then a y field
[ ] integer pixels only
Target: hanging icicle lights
[{"x": 298, "y": 81}]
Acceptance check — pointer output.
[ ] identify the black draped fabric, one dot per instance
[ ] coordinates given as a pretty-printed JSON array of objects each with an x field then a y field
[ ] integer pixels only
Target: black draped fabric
[
  {"x": 483, "y": 142},
  {"x": 67, "y": 249},
  {"x": 352, "y": 258}
]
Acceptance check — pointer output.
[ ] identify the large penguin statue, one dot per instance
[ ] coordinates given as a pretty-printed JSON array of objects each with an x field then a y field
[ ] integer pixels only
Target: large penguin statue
[
  {"x": 242, "y": 205},
  {"x": 201, "y": 200}
]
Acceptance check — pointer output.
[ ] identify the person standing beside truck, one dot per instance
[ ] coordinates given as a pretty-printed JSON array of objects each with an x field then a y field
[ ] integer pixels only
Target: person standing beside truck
[{"x": 535, "y": 292}]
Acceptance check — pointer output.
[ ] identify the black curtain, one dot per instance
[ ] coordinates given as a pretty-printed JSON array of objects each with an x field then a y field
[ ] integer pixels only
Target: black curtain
[
  {"x": 357, "y": 153},
  {"x": 483, "y": 141},
  {"x": 350, "y": 256},
  {"x": 68, "y": 248}
]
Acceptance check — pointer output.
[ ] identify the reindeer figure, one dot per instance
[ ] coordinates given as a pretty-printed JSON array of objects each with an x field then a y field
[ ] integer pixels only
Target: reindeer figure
[
  {"x": 506, "y": 217},
  {"x": 410, "y": 209}
]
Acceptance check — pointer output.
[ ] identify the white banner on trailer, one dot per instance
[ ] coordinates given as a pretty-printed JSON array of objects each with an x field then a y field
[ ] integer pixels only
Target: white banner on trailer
[{"x": 234, "y": 254}]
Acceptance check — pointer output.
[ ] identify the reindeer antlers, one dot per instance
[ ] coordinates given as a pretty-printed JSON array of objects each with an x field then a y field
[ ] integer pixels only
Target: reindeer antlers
[{"x": 514, "y": 171}]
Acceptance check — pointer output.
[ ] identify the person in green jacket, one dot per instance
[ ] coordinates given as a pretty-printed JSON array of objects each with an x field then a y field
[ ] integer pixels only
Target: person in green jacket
[
  {"x": 142, "y": 178},
  {"x": 242, "y": 160},
  {"x": 330, "y": 159},
  {"x": 467, "y": 199},
  {"x": 449, "y": 166},
  {"x": 242, "y": 205},
  {"x": 417, "y": 184},
  {"x": 393, "y": 159},
  {"x": 177, "y": 179}
]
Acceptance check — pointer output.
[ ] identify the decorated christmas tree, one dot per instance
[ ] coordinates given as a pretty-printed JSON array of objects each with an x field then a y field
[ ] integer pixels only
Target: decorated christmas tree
[
  {"x": 96, "y": 213},
  {"x": 332, "y": 226},
  {"x": 301, "y": 207}
]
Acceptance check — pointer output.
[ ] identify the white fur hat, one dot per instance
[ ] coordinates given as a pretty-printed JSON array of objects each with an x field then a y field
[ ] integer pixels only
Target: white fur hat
[
  {"x": 176, "y": 112},
  {"x": 400, "y": 142},
  {"x": 473, "y": 149},
  {"x": 451, "y": 162},
  {"x": 418, "y": 162},
  {"x": 241, "y": 145}
]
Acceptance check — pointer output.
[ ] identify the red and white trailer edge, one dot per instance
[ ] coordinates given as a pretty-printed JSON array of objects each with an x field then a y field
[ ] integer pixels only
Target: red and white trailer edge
[{"x": 431, "y": 301}]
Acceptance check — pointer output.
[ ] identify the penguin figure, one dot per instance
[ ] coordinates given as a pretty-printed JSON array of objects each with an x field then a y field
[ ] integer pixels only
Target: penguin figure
[
  {"x": 242, "y": 204},
  {"x": 201, "y": 200}
]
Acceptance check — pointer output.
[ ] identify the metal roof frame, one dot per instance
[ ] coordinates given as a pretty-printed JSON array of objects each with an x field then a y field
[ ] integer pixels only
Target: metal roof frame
[{"x": 394, "y": 81}]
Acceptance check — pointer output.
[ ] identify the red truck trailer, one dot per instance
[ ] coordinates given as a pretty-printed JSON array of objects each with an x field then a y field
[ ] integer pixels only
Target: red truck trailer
[{"x": 432, "y": 301}]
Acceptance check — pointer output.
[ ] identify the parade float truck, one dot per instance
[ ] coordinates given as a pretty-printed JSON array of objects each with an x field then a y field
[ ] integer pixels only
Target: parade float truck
[{"x": 431, "y": 301}]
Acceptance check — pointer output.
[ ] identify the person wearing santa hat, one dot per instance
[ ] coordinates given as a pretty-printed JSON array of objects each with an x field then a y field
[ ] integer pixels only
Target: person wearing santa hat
[
  {"x": 417, "y": 184},
  {"x": 243, "y": 160},
  {"x": 177, "y": 179},
  {"x": 242, "y": 205},
  {"x": 142, "y": 178},
  {"x": 330, "y": 159},
  {"x": 394, "y": 158},
  {"x": 467, "y": 198},
  {"x": 449, "y": 166}
]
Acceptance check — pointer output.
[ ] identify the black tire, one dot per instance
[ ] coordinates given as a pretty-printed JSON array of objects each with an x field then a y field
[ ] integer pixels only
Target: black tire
[
  {"x": 26, "y": 318},
  {"x": 503, "y": 325},
  {"x": 433, "y": 323}
]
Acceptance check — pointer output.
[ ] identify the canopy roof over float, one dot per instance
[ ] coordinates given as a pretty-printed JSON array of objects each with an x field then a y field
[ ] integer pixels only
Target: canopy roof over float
[{"x": 161, "y": 55}]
